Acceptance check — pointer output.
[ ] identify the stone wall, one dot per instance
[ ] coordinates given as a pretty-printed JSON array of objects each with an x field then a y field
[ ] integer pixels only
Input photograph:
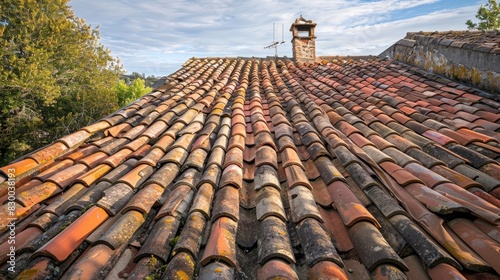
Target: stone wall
[
  {"x": 472, "y": 64},
  {"x": 304, "y": 49}
]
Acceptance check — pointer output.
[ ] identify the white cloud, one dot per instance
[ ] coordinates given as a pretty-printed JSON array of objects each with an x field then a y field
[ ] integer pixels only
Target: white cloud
[{"x": 157, "y": 36}]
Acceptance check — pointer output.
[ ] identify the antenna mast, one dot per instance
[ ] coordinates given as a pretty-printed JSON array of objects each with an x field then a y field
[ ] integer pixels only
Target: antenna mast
[{"x": 275, "y": 44}]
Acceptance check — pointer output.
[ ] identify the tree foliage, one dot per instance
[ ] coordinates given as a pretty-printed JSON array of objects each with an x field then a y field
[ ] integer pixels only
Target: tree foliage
[
  {"x": 128, "y": 93},
  {"x": 55, "y": 76},
  {"x": 488, "y": 15}
]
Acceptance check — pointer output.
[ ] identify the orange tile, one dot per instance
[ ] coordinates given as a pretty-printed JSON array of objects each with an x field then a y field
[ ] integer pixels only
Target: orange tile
[
  {"x": 93, "y": 159},
  {"x": 61, "y": 246},
  {"x": 115, "y": 130},
  {"x": 93, "y": 175},
  {"x": 20, "y": 167}
]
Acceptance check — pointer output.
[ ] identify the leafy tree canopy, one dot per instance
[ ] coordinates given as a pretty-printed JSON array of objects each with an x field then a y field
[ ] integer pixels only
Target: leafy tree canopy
[
  {"x": 128, "y": 93},
  {"x": 488, "y": 15},
  {"x": 55, "y": 76}
]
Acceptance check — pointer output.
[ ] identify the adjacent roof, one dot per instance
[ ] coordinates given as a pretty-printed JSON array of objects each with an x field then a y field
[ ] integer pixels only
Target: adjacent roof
[
  {"x": 250, "y": 168},
  {"x": 470, "y": 39}
]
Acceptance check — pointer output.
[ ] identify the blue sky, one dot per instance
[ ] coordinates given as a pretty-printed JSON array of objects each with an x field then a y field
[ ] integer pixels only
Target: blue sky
[{"x": 156, "y": 36}]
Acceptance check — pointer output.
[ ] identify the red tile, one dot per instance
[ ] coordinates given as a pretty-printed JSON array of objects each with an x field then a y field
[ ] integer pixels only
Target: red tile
[
  {"x": 90, "y": 264},
  {"x": 348, "y": 205},
  {"x": 336, "y": 228},
  {"x": 276, "y": 269},
  {"x": 399, "y": 174},
  {"x": 380, "y": 142},
  {"x": 438, "y": 137},
  {"x": 470, "y": 134},
  {"x": 21, "y": 239},
  {"x": 481, "y": 243},
  {"x": 222, "y": 242},
  {"x": 61, "y": 246},
  {"x": 67, "y": 176}
]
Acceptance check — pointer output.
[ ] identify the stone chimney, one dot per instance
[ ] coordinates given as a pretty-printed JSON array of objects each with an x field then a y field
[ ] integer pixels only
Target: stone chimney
[{"x": 303, "y": 40}]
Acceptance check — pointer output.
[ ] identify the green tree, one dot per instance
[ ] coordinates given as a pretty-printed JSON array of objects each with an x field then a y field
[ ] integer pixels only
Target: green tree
[
  {"x": 128, "y": 93},
  {"x": 488, "y": 15},
  {"x": 55, "y": 76}
]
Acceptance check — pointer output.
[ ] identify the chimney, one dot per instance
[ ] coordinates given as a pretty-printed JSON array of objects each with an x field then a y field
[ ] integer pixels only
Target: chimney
[{"x": 303, "y": 40}]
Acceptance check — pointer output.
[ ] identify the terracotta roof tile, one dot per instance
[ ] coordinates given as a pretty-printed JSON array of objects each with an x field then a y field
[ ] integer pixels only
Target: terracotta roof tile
[
  {"x": 61, "y": 246},
  {"x": 239, "y": 161}
]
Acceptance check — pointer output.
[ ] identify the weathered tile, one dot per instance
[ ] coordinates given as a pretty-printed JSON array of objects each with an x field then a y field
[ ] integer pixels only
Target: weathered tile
[
  {"x": 434, "y": 201},
  {"x": 115, "y": 197},
  {"x": 177, "y": 202},
  {"x": 144, "y": 199},
  {"x": 157, "y": 243},
  {"x": 164, "y": 176},
  {"x": 182, "y": 265},
  {"x": 67, "y": 198},
  {"x": 216, "y": 157},
  {"x": 122, "y": 230},
  {"x": 203, "y": 200},
  {"x": 217, "y": 270},
  {"x": 316, "y": 243},
  {"x": 329, "y": 173},
  {"x": 176, "y": 155},
  {"x": 266, "y": 175},
  {"x": 290, "y": 157},
  {"x": 273, "y": 241},
  {"x": 246, "y": 236},
  {"x": 135, "y": 177},
  {"x": 302, "y": 204},
  {"x": 262, "y": 139},
  {"x": 65, "y": 177},
  {"x": 266, "y": 155},
  {"x": 429, "y": 252},
  {"x": 234, "y": 157},
  {"x": 37, "y": 194},
  {"x": 372, "y": 248},
  {"x": 268, "y": 200},
  {"x": 189, "y": 239},
  {"x": 189, "y": 177},
  {"x": 226, "y": 203},
  {"x": 348, "y": 205}
]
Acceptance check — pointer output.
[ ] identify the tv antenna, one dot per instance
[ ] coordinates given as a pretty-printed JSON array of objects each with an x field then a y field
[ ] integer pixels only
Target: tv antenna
[{"x": 275, "y": 44}]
